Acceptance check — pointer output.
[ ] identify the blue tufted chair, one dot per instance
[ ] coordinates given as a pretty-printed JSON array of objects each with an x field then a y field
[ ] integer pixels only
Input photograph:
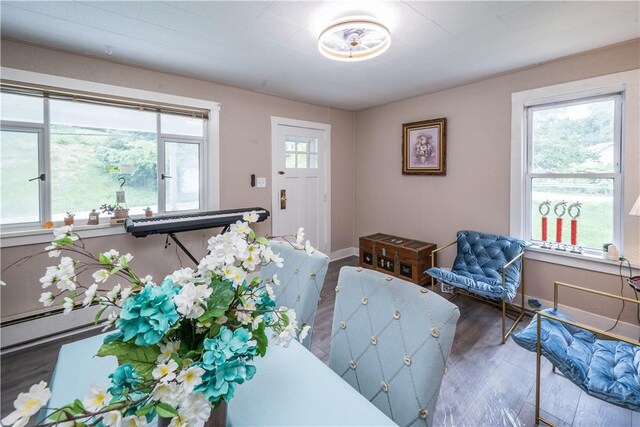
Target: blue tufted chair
[
  {"x": 390, "y": 340},
  {"x": 608, "y": 369},
  {"x": 301, "y": 281},
  {"x": 488, "y": 266}
]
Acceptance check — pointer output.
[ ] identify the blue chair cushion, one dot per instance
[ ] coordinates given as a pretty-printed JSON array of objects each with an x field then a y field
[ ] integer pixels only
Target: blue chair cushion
[
  {"x": 478, "y": 265},
  {"x": 606, "y": 369}
]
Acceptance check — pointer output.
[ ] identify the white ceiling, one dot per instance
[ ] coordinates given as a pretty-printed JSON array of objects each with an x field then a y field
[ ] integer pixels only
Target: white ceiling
[{"x": 270, "y": 46}]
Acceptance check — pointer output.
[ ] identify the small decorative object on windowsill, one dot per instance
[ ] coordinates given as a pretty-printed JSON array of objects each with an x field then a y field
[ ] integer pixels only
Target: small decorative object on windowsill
[
  {"x": 148, "y": 212},
  {"x": 183, "y": 344},
  {"x": 94, "y": 217},
  {"x": 68, "y": 220},
  {"x": 574, "y": 227},
  {"x": 544, "y": 209},
  {"x": 120, "y": 213},
  {"x": 610, "y": 252},
  {"x": 560, "y": 209}
]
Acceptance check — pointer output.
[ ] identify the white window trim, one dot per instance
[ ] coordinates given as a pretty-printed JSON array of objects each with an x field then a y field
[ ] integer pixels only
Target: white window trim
[
  {"x": 624, "y": 82},
  {"x": 211, "y": 194}
]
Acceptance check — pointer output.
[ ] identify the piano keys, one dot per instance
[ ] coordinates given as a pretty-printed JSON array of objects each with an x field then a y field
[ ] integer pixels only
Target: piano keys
[{"x": 169, "y": 224}]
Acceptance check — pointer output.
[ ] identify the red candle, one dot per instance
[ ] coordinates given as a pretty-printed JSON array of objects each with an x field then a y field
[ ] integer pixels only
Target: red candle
[
  {"x": 558, "y": 230},
  {"x": 544, "y": 228},
  {"x": 574, "y": 231}
]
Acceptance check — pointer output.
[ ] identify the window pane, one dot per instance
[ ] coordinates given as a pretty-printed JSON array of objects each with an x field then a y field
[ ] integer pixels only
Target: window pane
[
  {"x": 302, "y": 161},
  {"x": 313, "y": 161},
  {"x": 595, "y": 222},
  {"x": 21, "y": 108},
  {"x": 290, "y": 146},
  {"x": 302, "y": 147},
  {"x": 182, "y": 164},
  {"x": 181, "y": 125},
  {"x": 313, "y": 145},
  {"x": 574, "y": 138},
  {"x": 290, "y": 161},
  {"x": 18, "y": 164},
  {"x": 91, "y": 147}
]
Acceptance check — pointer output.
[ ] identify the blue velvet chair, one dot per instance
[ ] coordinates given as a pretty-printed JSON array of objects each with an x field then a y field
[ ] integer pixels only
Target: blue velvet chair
[
  {"x": 301, "y": 280},
  {"x": 488, "y": 266},
  {"x": 601, "y": 364},
  {"x": 390, "y": 340}
]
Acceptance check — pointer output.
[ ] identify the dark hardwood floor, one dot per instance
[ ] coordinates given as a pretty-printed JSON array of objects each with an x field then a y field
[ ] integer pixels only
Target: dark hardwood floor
[{"x": 486, "y": 383}]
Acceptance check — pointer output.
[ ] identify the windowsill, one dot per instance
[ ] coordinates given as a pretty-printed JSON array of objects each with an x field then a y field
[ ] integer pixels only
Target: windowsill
[
  {"x": 29, "y": 236},
  {"x": 583, "y": 261}
]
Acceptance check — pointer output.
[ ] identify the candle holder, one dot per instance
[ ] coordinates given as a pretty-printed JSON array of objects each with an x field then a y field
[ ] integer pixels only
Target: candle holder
[
  {"x": 544, "y": 209},
  {"x": 574, "y": 213},
  {"x": 560, "y": 209}
]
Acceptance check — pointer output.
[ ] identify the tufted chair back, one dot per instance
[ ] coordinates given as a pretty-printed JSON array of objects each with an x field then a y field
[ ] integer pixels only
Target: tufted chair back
[
  {"x": 390, "y": 340},
  {"x": 301, "y": 281},
  {"x": 481, "y": 257}
]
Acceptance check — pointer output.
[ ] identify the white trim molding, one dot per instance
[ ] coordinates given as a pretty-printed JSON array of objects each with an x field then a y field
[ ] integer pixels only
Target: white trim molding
[{"x": 344, "y": 253}]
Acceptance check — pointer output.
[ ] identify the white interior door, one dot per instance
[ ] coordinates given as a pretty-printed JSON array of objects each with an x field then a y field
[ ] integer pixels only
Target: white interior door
[{"x": 300, "y": 180}]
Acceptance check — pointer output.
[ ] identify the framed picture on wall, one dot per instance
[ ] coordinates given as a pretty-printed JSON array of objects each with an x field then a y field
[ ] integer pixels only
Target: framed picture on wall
[{"x": 424, "y": 147}]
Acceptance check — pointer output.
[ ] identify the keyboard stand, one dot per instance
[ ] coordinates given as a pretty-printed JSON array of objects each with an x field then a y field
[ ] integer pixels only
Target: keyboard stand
[{"x": 185, "y": 250}]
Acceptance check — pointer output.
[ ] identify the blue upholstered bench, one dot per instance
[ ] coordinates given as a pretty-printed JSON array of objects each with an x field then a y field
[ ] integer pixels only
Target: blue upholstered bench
[{"x": 608, "y": 369}]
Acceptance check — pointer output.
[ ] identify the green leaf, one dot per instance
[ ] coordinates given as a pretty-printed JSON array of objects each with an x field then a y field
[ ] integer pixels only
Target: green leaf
[
  {"x": 141, "y": 358},
  {"x": 145, "y": 410},
  {"x": 219, "y": 301},
  {"x": 262, "y": 240},
  {"x": 104, "y": 260},
  {"x": 99, "y": 314},
  {"x": 166, "y": 411},
  {"x": 262, "y": 341},
  {"x": 78, "y": 406},
  {"x": 59, "y": 415},
  {"x": 255, "y": 281},
  {"x": 252, "y": 234}
]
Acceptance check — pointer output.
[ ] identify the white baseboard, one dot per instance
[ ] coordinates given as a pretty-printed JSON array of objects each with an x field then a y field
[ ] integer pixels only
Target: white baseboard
[
  {"x": 40, "y": 329},
  {"x": 344, "y": 253},
  {"x": 627, "y": 330}
]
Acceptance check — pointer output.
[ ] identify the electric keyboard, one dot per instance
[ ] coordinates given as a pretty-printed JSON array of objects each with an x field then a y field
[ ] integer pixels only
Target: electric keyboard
[{"x": 167, "y": 224}]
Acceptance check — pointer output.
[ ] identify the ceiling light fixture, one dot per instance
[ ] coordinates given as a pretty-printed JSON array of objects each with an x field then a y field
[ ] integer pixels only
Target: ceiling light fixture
[{"x": 354, "y": 39}]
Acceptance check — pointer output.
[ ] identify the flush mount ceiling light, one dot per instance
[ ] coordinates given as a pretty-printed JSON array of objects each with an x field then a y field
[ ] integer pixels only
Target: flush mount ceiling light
[{"x": 354, "y": 39}]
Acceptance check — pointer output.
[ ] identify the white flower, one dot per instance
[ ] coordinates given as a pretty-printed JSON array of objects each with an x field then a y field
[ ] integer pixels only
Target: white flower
[
  {"x": 275, "y": 280},
  {"x": 54, "y": 251},
  {"x": 308, "y": 248},
  {"x": 28, "y": 404},
  {"x": 64, "y": 232},
  {"x": 46, "y": 298},
  {"x": 167, "y": 349},
  {"x": 68, "y": 305},
  {"x": 112, "y": 295},
  {"x": 191, "y": 300},
  {"x": 182, "y": 277},
  {"x": 89, "y": 295},
  {"x": 112, "y": 255},
  {"x": 97, "y": 399},
  {"x": 304, "y": 332},
  {"x": 193, "y": 411},
  {"x": 2, "y": 283},
  {"x": 240, "y": 227},
  {"x": 133, "y": 421},
  {"x": 111, "y": 320},
  {"x": 190, "y": 378},
  {"x": 300, "y": 236},
  {"x": 166, "y": 393},
  {"x": 146, "y": 279},
  {"x": 113, "y": 418},
  {"x": 165, "y": 372},
  {"x": 250, "y": 217},
  {"x": 101, "y": 276},
  {"x": 124, "y": 294},
  {"x": 124, "y": 260},
  {"x": 50, "y": 277}
]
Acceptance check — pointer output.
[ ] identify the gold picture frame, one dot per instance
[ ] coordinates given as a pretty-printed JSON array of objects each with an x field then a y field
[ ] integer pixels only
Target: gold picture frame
[{"x": 424, "y": 147}]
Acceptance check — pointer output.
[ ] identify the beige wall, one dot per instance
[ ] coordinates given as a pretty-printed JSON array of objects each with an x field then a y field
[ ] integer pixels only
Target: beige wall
[
  {"x": 245, "y": 148},
  {"x": 474, "y": 194}
]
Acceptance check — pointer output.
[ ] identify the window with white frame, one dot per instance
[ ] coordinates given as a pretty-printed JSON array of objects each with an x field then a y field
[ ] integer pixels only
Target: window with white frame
[
  {"x": 63, "y": 153},
  {"x": 573, "y": 163}
]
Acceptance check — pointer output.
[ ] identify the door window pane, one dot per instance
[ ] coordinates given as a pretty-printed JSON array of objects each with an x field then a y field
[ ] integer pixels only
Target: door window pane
[
  {"x": 313, "y": 161},
  {"x": 290, "y": 160},
  {"x": 181, "y": 125},
  {"x": 19, "y": 164},
  {"x": 575, "y": 138},
  {"x": 92, "y": 146},
  {"x": 301, "y": 161},
  {"x": 182, "y": 164},
  {"x": 21, "y": 108},
  {"x": 595, "y": 220}
]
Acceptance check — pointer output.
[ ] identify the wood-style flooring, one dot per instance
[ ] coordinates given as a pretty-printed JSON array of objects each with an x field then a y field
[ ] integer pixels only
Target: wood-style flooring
[{"x": 486, "y": 384}]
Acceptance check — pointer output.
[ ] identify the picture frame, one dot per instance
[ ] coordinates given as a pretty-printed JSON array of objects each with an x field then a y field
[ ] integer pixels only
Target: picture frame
[{"x": 424, "y": 147}]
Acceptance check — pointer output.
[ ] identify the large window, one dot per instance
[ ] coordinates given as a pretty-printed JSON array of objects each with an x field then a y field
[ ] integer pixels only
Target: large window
[
  {"x": 573, "y": 156},
  {"x": 63, "y": 154}
]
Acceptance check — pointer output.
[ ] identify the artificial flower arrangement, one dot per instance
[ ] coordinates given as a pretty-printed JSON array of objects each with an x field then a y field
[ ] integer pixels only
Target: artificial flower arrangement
[{"x": 182, "y": 345}]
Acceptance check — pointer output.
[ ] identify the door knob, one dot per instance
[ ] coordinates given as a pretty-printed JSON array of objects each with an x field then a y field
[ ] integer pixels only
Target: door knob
[{"x": 283, "y": 199}]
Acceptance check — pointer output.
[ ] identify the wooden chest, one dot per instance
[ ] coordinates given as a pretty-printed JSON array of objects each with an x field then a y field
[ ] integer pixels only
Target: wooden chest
[{"x": 407, "y": 259}]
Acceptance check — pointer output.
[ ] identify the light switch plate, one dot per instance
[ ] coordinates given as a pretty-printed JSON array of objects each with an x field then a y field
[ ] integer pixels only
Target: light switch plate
[{"x": 261, "y": 182}]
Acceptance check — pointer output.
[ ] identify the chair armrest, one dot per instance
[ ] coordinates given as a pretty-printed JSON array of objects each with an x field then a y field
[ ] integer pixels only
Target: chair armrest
[
  {"x": 583, "y": 326},
  {"x": 556, "y": 285},
  {"x": 433, "y": 257},
  {"x": 504, "y": 268}
]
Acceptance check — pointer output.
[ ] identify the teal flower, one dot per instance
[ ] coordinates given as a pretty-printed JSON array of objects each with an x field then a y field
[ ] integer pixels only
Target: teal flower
[
  {"x": 227, "y": 345},
  {"x": 221, "y": 383},
  {"x": 124, "y": 377},
  {"x": 148, "y": 315}
]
